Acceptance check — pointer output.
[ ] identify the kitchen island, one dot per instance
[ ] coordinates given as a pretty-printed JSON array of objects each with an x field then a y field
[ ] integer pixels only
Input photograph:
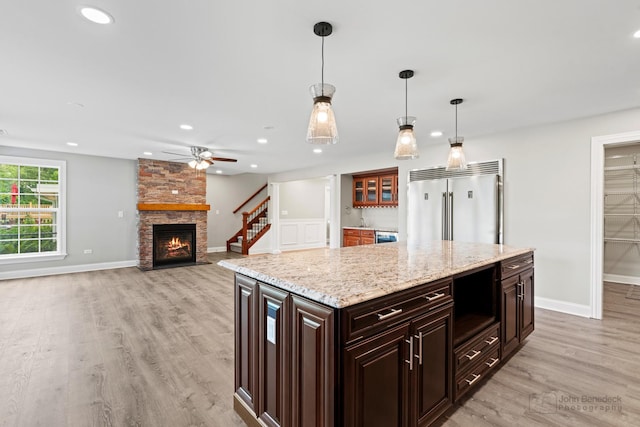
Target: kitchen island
[{"x": 375, "y": 335}]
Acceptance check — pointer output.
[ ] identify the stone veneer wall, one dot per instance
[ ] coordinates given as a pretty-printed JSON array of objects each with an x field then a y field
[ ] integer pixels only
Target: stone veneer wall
[{"x": 156, "y": 181}]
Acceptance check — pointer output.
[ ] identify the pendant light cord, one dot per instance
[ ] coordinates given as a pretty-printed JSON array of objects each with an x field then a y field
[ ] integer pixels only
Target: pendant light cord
[
  {"x": 322, "y": 72},
  {"x": 406, "y": 95},
  {"x": 456, "y": 122}
]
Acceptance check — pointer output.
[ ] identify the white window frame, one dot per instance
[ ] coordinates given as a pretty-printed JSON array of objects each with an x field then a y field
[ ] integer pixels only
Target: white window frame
[{"x": 61, "y": 223}]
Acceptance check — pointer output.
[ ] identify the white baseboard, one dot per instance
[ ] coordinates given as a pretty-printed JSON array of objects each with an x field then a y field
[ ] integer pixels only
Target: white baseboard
[
  {"x": 36, "y": 272},
  {"x": 217, "y": 249},
  {"x": 563, "y": 306},
  {"x": 617, "y": 278}
]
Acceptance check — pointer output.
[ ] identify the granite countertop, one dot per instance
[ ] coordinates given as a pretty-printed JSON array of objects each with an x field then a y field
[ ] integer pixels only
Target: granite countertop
[{"x": 347, "y": 276}]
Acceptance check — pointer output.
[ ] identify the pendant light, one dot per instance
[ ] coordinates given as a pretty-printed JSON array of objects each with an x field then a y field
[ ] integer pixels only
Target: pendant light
[
  {"x": 406, "y": 147},
  {"x": 322, "y": 124},
  {"x": 456, "y": 160}
]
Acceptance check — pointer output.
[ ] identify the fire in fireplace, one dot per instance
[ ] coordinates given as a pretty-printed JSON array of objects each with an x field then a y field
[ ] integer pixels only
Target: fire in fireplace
[{"x": 174, "y": 245}]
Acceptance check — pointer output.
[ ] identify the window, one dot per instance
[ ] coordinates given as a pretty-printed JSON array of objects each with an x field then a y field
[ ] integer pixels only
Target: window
[{"x": 31, "y": 209}]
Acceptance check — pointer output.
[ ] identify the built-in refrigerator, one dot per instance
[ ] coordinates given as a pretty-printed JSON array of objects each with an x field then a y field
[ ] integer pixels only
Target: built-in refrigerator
[{"x": 456, "y": 205}]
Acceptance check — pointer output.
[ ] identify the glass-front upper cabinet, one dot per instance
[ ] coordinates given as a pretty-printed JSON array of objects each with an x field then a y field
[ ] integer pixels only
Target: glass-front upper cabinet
[
  {"x": 388, "y": 190},
  {"x": 372, "y": 190},
  {"x": 358, "y": 192},
  {"x": 376, "y": 188}
]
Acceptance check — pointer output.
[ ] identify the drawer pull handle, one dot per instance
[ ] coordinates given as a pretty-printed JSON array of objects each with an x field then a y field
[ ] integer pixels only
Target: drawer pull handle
[
  {"x": 492, "y": 363},
  {"x": 434, "y": 296},
  {"x": 475, "y": 354},
  {"x": 475, "y": 378},
  {"x": 529, "y": 261},
  {"x": 492, "y": 340},
  {"x": 513, "y": 266},
  {"x": 392, "y": 313}
]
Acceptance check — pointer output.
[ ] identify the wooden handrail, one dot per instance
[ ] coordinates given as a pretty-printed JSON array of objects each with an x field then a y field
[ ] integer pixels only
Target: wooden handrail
[
  {"x": 249, "y": 199},
  {"x": 257, "y": 208}
]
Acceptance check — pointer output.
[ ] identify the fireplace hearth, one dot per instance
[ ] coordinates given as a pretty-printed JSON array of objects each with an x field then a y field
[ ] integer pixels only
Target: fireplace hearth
[{"x": 174, "y": 245}]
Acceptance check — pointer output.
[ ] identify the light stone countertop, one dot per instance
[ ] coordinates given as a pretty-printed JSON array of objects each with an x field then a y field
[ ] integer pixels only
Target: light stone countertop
[{"x": 347, "y": 276}]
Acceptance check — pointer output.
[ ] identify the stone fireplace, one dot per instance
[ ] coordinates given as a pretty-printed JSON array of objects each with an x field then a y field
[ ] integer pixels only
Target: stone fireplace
[{"x": 171, "y": 194}]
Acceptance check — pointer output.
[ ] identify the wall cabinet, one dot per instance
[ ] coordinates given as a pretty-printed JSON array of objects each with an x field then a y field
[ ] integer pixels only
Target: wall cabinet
[
  {"x": 357, "y": 237},
  {"x": 517, "y": 281},
  {"x": 376, "y": 189}
]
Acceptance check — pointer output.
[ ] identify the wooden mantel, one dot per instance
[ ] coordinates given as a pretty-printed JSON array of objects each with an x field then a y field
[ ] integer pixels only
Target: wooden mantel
[{"x": 173, "y": 207}]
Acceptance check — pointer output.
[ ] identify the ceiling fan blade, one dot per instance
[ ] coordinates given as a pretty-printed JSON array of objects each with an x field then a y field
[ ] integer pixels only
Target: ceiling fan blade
[
  {"x": 222, "y": 159},
  {"x": 185, "y": 155}
]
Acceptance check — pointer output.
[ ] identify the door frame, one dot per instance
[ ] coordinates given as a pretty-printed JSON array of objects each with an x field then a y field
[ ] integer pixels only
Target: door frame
[{"x": 598, "y": 144}]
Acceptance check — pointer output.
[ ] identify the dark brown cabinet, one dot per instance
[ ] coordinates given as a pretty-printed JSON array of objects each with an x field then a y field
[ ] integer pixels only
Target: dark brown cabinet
[
  {"x": 284, "y": 357},
  {"x": 517, "y": 302}
]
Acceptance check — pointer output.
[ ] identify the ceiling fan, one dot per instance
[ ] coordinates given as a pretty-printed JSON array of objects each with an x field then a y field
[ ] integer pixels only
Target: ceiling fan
[{"x": 201, "y": 157}]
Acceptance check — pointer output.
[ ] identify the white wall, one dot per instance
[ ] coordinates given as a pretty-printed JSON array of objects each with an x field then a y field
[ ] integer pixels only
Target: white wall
[
  {"x": 97, "y": 188},
  {"x": 547, "y": 192},
  {"x": 302, "y": 199},
  {"x": 224, "y": 194}
]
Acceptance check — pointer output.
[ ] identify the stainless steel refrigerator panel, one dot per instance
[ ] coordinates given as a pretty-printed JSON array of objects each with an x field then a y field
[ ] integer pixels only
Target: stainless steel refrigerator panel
[
  {"x": 475, "y": 209},
  {"x": 425, "y": 209}
]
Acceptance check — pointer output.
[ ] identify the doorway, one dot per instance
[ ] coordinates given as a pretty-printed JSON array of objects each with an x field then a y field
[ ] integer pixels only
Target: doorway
[{"x": 598, "y": 146}]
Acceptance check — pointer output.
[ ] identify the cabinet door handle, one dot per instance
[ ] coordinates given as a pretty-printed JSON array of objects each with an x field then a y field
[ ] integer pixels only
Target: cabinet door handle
[
  {"x": 513, "y": 266},
  {"x": 434, "y": 296},
  {"x": 492, "y": 363},
  {"x": 520, "y": 290},
  {"x": 475, "y": 378},
  {"x": 475, "y": 354},
  {"x": 529, "y": 261},
  {"x": 491, "y": 340},
  {"x": 419, "y": 355},
  {"x": 410, "y": 361},
  {"x": 392, "y": 313}
]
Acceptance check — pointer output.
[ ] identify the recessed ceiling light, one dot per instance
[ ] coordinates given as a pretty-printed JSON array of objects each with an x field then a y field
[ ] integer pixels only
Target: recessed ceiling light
[
  {"x": 317, "y": 150},
  {"x": 262, "y": 140},
  {"x": 148, "y": 153},
  {"x": 637, "y": 34},
  {"x": 185, "y": 126},
  {"x": 436, "y": 133},
  {"x": 218, "y": 171},
  {"x": 254, "y": 166},
  {"x": 72, "y": 144},
  {"x": 96, "y": 15}
]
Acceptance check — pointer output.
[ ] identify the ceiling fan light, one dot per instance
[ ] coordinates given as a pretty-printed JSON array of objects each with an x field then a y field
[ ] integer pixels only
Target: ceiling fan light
[
  {"x": 202, "y": 164},
  {"x": 193, "y": 163},
  {"x": 206, "y": 154}
]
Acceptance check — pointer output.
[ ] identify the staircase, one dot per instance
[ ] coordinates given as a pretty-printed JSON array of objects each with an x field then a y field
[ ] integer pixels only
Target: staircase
[{"x": 254, "y": 225}]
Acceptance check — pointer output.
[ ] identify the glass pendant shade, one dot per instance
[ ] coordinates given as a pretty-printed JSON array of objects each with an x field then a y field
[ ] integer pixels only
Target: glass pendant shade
[
  {"x": 456, "y": 160},
  {"x": 406, "y": 145},
  {"x": 322, "y": 123}
]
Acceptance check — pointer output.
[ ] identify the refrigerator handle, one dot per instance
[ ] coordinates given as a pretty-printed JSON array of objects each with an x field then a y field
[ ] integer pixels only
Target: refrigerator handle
[
  {"x": 445, "y": 218},
  {"x": 450, "y": 215}
]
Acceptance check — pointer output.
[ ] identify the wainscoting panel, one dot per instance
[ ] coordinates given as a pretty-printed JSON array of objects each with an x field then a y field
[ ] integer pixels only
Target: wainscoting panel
[{"x": 302, "y": 234}]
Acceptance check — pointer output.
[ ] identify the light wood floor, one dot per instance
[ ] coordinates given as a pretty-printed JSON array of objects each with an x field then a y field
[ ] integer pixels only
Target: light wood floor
[{"x": 131, "y": 348}]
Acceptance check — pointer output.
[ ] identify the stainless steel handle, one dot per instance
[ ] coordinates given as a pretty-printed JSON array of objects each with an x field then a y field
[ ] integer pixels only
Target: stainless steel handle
[
  {"x": 475, "y": 378},
  {"x": 410, "y": 361},
  {"x": 530, "y": 261},
  {"x": 392, "y": 313},
  {"x": 492, "y": 340},
  {"x": 419, "y": 355},
  {"x": 513, "y": 267},
  {"x": 475, "y": 354},
  {"x": 445, "y": 222},
  {"x": 492, "y": 363},
  {"x": 450, "y": 215},
  {"x": 434, "y": 297},
  {"x": 520, "y": 290}
]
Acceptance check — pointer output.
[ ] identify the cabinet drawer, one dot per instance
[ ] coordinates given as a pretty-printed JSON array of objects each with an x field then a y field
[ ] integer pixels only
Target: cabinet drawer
[
  {"x": 351, "y": 232},
  {"x": 477, "y": 348},
  {"x": 363, "y": 320},
  {"x": 478, "y": 372},
  {"x": 516, "y": 265},
  {"x": 367, "y": 234}
]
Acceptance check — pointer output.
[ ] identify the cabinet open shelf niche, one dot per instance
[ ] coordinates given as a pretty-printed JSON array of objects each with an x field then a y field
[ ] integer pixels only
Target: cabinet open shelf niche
[{"x": 475, "y": 303}]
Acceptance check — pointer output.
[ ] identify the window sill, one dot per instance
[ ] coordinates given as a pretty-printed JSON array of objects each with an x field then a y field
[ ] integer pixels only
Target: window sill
[{"x": 8, "y": 259}]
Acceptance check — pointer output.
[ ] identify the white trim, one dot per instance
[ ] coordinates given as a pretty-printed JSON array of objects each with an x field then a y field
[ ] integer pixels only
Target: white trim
[
  {"x": 217, "y": 249},
  {"x": 598, "y": 144},
  {"x": 563, "y": 306},
  {"x": 36, "y": 257},
  {"x": 618, "y": 278},
  {"x": 36, "y": 272}
]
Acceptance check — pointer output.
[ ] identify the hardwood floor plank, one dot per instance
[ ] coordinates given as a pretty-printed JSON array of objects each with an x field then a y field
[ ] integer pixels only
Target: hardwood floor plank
[{"x": 131, "y": 348}]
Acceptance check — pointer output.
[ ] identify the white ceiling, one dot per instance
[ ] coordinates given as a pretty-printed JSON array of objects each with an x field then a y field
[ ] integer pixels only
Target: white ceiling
[{"x": 232, "y": 69}]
